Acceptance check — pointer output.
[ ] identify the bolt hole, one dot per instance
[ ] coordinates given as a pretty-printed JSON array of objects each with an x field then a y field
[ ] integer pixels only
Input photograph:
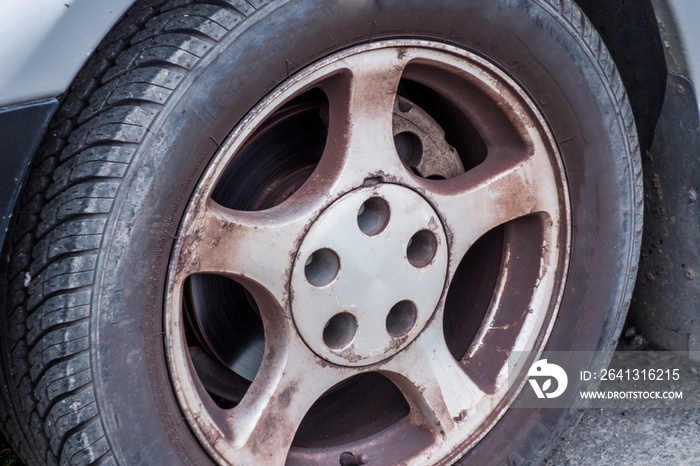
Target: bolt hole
[
  {"x": 339, "y": 330},
  {"x": 405, "y": 105},
  {"x": 421, "y": 248},
  {"x": 373, "y": 216},
  {"x": 401, "y": 318},
  {"x": 409, "y": 148},
  {"x": 322, "y": 267}
]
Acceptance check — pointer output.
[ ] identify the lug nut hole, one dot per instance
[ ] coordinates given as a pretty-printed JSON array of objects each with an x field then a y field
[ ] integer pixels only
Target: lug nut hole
[
  {"x": 421, "y": 248},
  {"x": 339, "y": 330},
  {"x": 401, "y": 318},
  {"x": 409, "y": 148},
  {"x": 373, "y": 216},
  {"x": 322, "y": 267}
]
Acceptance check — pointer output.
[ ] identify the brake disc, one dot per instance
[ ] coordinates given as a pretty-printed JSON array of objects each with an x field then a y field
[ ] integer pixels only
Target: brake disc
[{"x": 420, "y": 142}]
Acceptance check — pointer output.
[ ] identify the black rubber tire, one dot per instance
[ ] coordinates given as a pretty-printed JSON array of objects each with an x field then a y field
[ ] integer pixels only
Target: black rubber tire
[{"x": 84, "y": 378}]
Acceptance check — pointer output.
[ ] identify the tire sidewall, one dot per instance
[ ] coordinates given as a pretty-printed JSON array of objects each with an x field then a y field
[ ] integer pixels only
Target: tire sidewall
[{"x": 531, "y": 42}]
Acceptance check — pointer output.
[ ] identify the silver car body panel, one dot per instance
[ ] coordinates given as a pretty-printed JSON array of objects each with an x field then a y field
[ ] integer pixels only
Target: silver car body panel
[
  {"x": 686, "y": 14},
  {"x": 46, "y": 42}
]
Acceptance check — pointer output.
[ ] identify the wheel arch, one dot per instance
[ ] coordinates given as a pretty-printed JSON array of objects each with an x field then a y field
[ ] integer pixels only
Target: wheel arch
[
  {"x": 652, "y": 43},
  {"x": 49, "y": 36},
  {"x": 631, "y": 32}
]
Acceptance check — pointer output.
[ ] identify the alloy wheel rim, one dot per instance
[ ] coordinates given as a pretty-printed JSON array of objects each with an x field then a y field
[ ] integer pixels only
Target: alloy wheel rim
[{"x": 449, "y": 400}]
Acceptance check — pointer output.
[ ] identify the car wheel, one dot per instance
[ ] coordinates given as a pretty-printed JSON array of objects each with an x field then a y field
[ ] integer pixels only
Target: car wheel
[{"x": 313, "y": 233}]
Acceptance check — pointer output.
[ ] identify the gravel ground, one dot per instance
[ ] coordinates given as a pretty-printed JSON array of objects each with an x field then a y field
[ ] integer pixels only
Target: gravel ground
[
  {"x": 634, "y": 433},
  {"x": 636, "y": 436}
]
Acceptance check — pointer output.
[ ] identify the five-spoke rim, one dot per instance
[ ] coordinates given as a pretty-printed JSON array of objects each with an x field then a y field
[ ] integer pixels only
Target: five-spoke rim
[{"x": 418, "y": 205}]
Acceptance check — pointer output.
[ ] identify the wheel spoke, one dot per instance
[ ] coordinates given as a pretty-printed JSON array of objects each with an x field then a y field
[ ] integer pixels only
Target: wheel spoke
[
  {"x": 442, "y": 396},
  {"x": 250, "y": 246},
  {"x": 360, "y": 142},
  {"x": 504, "y": 188},
  {"x": 264, "y": 423}
]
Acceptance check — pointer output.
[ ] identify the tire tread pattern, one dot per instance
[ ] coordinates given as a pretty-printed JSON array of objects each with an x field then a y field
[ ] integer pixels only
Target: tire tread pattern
[
  {"x": 628, "y": 167},
  {"x": 49, "y": 409}
]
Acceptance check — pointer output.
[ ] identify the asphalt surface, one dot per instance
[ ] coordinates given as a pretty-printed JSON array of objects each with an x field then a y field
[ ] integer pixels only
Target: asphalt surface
[
  {"x": 634, "y": 434},
  {"x": 654, "y": 436}
]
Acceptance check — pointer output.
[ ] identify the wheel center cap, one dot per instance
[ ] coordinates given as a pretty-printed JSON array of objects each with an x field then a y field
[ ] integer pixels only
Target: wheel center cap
[{"x": 369, "y": 274}]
